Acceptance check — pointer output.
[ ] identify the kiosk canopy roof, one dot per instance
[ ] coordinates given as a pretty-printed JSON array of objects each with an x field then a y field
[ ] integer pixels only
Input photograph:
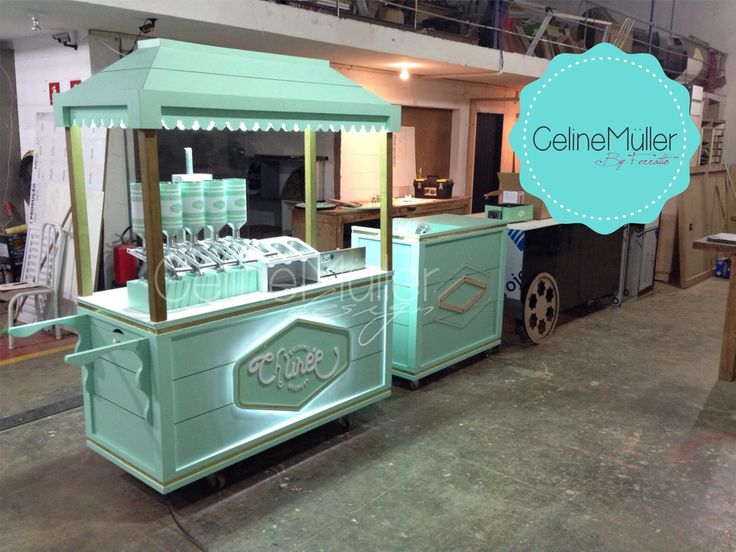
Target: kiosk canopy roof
[{"x": 173, "y": 84}]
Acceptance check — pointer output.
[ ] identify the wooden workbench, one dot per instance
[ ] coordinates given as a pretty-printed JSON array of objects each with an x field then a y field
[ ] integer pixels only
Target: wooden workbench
[
  {"x": 727, "y": 369},
  {"x": 331, "y": 223}
]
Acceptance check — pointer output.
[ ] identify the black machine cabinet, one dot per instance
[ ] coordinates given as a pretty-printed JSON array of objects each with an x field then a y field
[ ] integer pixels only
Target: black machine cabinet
[
  {"x": 582, "y": 265},
  {"x": 585, "y": 264}
]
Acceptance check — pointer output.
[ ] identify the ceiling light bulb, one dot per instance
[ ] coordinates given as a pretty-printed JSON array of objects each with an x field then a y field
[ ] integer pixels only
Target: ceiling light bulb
[
  {"x": 35, "y": 24},
  {"x": 404, "y": 75}
]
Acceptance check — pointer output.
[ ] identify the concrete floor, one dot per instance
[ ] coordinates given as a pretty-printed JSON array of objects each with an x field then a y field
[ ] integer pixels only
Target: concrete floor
[
  {"x": 30, "y": 390},
  {"x": 615, "y": 435}
]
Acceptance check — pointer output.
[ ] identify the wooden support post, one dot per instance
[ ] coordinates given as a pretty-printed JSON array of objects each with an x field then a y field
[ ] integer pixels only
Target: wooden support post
[
  {"x": 80, "y": 226},
  {"x": 310, "y": 186},
  {"x": 470, "y": 153},
  {"x": 727, "y": 370},
  {"x": 148, "y": 155},
  {"x": 387, "y": 199},
  {"x": 337, "y": 158}
]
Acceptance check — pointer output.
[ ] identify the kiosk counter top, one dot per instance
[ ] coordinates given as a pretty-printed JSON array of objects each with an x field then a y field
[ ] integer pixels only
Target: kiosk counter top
[
  {"x": 432, "y": 226},
  {"x": 114, "y": 303}
]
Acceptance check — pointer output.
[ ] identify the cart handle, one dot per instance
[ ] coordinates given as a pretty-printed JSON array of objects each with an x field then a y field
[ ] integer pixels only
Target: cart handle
[
  {"x": 88, "y": 356},
  {"x": 27, "y": 330}
]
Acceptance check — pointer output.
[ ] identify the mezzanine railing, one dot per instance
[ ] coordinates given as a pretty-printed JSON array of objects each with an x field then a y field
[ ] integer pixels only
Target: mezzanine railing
[{"x": 525, "y": 27}]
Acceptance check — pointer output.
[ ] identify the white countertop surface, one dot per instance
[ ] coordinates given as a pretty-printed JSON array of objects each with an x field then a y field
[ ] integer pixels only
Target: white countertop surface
[{"x": 115, "y": 301}]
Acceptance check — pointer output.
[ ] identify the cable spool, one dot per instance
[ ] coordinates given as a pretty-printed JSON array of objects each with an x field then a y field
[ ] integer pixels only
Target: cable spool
[
  {"x": 136, "y": 208},
  {"x": 215, "y": 204},
  {"x": 171, "y": 208},
  {"x": 237, "y": 204},
  {"x": 192, "y": 200}
]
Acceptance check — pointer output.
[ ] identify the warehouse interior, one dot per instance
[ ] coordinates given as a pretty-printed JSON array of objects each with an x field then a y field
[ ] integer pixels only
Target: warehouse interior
[{"x": 364, "y": 332}]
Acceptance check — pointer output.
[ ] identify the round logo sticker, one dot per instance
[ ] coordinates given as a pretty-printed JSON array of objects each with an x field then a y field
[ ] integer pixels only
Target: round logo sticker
[{"x": 604, "y": 138}]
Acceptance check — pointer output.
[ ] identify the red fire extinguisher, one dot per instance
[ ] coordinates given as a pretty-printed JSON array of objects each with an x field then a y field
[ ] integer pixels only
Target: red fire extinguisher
[{"x": 125, "y": 264}]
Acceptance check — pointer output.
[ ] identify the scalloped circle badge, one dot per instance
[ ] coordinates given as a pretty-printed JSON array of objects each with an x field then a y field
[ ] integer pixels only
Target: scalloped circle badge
[{"x": 604, "y": 138}]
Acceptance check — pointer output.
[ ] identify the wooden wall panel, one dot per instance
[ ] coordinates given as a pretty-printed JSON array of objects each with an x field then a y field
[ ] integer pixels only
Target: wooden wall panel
[
  {"x": 433, "y": 135},
  {"x": 731, "y": 192},
  {"x": 701, "y": 211}
]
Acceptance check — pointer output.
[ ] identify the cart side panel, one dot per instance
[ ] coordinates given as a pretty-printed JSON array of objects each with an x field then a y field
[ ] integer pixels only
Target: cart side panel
[
  {"x": 458, "y": 317},
  {"x": 189, "y": 401},
  {"x": 441, "y": 302},
  {"x": 123, "y": 408},
  {"x": 448, "y": 293},
  {"x": 127, "y": 436},
  {"x": 442, "y": 260},
  {"x": 203, "y": 439},
  {"x": 403, "y": 259},
  {"x": 404, "y": 312},
  {"x": 211, "y": 429},
  {"x": 208, "y": 346},
  {"x": 445, "y": 344}
]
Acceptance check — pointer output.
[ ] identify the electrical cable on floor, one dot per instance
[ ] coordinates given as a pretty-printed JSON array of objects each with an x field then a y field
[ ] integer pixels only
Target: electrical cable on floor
[{"x": 183, "y": 530}]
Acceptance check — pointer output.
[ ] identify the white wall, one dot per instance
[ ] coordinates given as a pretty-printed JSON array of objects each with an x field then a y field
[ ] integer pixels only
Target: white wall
[
  {"x": 120, "y": 167},
  {"x": 360, "y": 154},
  {"x": 39, "y": 61},
  {"x": 442, "y": 94}
]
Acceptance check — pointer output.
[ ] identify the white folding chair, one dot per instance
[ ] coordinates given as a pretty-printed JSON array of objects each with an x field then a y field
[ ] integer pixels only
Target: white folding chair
[{"x": 41, "y": 276}]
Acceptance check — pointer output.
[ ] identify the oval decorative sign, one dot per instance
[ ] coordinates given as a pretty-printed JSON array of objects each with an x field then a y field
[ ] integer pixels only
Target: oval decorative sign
[
  {"x": 291, "y": 367},
  {"x": 604, "y": 138}
]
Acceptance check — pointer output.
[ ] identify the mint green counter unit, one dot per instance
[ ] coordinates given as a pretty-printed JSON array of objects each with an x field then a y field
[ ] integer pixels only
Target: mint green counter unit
[
  {"x": 174, "y": 401},
  {"x": 448, "y": 289}
]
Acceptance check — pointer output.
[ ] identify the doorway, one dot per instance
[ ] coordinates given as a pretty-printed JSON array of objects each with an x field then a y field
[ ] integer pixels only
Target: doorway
[{"x": 488, "y": 138}]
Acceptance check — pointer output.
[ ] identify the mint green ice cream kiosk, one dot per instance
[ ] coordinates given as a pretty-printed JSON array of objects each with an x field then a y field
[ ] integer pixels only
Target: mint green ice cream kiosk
[
  {"x": 448, "y": 289},
  {"x": 227, "y": 346}
]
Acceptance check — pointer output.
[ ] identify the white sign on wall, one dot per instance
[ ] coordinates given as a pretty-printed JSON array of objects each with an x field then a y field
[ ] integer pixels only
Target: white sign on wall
[
  {"x": 360, "y": 168},
  {"x": 50, "y": 201}
]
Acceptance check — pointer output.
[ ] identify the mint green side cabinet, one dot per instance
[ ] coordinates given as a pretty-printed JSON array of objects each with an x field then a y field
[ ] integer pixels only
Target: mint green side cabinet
[{"x": 448, "y": 289}]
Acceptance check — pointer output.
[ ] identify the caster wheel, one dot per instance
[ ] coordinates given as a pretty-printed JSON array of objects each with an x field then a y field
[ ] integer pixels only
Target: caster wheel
[
  {"x": 615, "y": 301},
  {"x": 541, "y": 307},
  {"x": 216, "y": 480},
  {"x": 346, "y": 422},
  {"x": 414, "y": 385}
]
